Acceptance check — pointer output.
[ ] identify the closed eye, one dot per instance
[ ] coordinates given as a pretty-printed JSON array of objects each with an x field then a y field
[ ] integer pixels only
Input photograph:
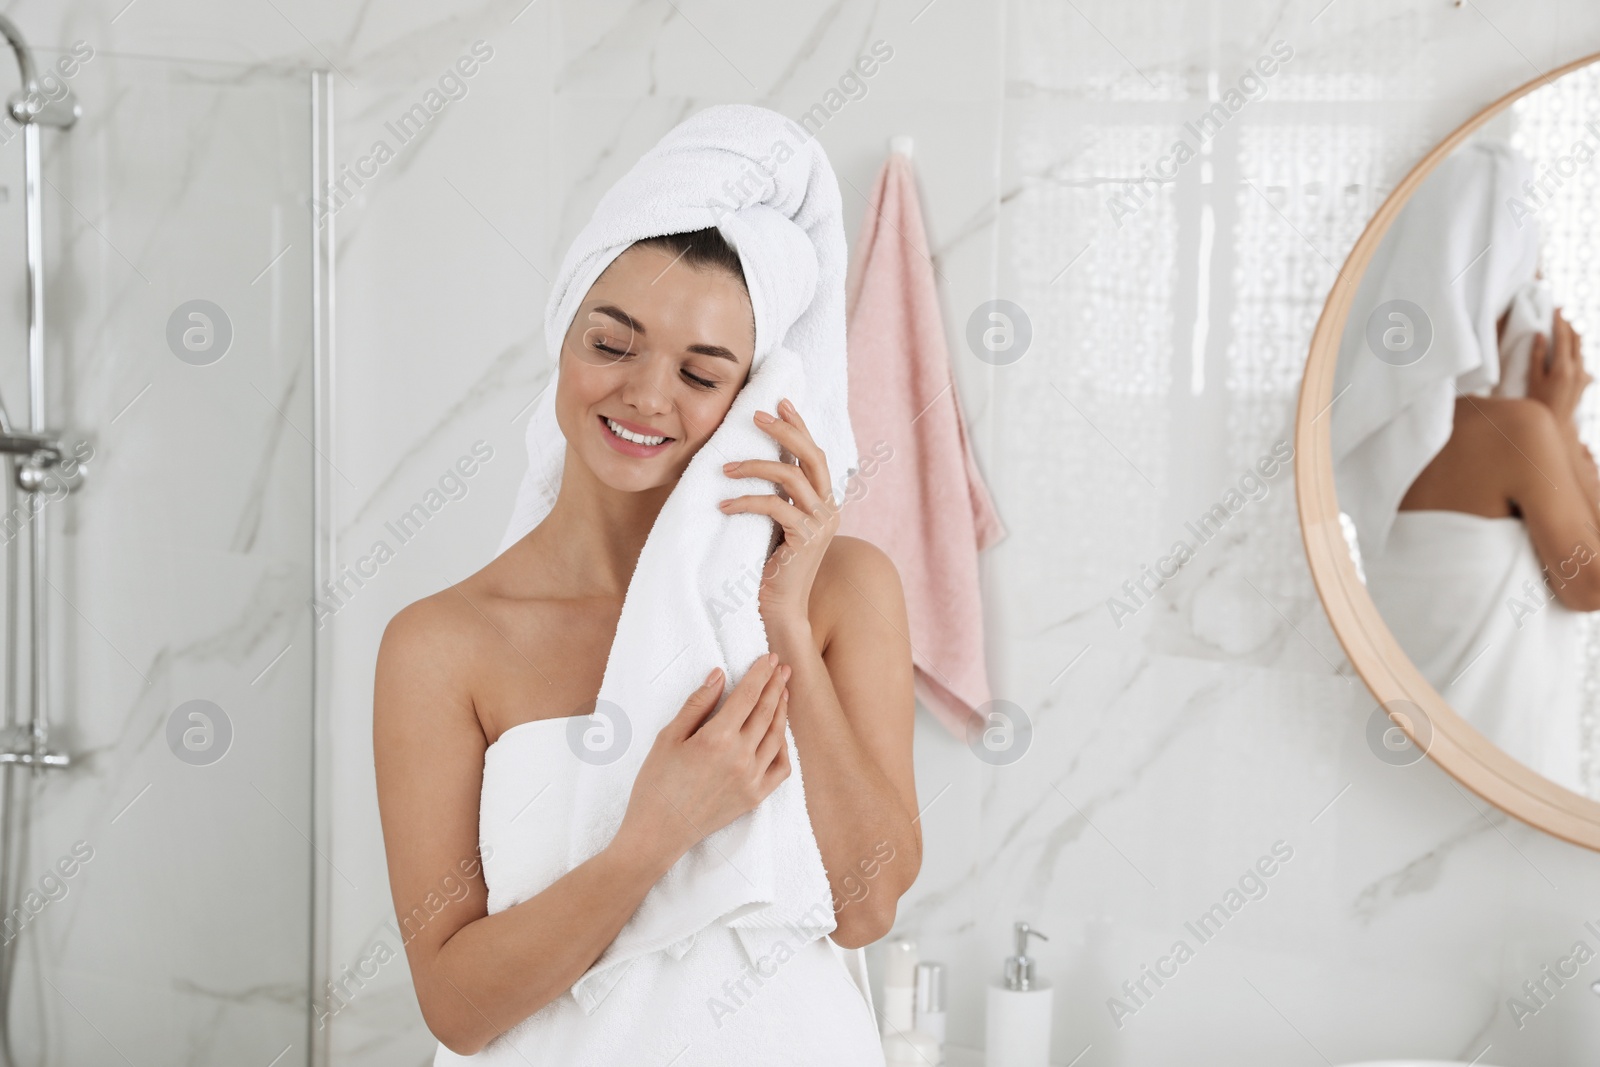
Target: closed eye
[{"x": 699, "y": 382}]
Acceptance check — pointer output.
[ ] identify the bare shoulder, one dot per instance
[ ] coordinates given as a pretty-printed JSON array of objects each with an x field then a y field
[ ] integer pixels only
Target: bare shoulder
[
  {"x": 448, "y": 625},
  {"x": 1494, "y": 439},
  {"x": 856, "y": 574},
  {"x": 854, "y": 557},
  {"x": 1497, "y": 423},
  {"x": 435, "y": 624},
  {"x": 427, "y": 648},
  {"x": 851, "y": 561}
]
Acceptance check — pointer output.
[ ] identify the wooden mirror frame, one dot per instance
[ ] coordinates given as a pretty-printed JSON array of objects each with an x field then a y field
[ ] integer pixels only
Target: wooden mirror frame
[{"x": 1464, "y": 753}]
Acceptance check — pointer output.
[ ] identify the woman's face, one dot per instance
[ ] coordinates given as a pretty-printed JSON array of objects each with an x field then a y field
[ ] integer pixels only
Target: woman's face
[{"x": 657, "y": 349}]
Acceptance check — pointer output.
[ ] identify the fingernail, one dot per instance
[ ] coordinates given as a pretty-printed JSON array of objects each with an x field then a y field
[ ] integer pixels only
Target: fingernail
[
  {"x": 763, "y": 418},
  {"x": 712, "y": 676},
  {"x": 729, "y": 466}
]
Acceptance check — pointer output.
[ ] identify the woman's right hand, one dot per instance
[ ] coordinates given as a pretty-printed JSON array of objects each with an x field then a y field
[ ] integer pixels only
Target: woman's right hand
[
  {"x": 1560, "y": 385},
  {"x": 701, "y": 774}
]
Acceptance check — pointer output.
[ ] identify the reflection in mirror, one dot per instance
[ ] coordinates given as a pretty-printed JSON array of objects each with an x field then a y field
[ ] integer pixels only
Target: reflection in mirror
[{"x": 1462, "y": 429}]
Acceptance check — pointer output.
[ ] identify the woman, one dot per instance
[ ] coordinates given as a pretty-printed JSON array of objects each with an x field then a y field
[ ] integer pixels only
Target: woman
[
  {"x": 1474, "y": 506},
  {"x": 1494, "y": 552},
  {"x": 649, "y": 366}
]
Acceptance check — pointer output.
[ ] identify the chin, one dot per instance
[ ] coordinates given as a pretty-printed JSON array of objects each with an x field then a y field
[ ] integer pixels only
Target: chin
[
  {"x": 628, "y": 475},
  {"x": 634, "y": 482}
]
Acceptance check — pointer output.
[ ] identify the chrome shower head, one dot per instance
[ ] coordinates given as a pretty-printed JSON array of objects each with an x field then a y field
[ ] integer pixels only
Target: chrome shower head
[{"x": 32, "y": 104}]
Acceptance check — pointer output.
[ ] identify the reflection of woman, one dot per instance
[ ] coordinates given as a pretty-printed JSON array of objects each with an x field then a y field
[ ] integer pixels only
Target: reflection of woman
[
  {"x": 1475, "y": 507},
  {"x": 469, "y": 681},
  {"x": 1495, "y": 548}
]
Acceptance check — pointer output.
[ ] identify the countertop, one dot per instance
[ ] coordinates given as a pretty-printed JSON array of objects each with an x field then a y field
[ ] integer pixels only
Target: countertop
[{"x": 961, "y": 1056}]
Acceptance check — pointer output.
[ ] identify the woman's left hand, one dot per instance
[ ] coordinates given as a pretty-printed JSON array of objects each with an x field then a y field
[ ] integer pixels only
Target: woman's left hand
[{"x": 809, "y": 517}]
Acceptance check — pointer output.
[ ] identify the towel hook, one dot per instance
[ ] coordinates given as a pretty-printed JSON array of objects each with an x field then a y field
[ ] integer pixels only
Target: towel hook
[{"x": 902, "y": 144}]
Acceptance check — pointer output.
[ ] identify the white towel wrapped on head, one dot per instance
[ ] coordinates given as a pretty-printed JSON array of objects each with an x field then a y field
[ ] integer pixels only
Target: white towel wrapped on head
[
  {"x": 769, "y": 189},
  {"x": 1458, "y": 255}
]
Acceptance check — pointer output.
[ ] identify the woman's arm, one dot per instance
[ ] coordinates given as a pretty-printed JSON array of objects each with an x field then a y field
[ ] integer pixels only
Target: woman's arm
[
  {"x": 1552, "y": 476},
  {"x": 851, "y": 709},
  {"x": 1562, "y": 517},
  {"x": 1583, "y": 465},
  {"x": 475, "y": 974}
]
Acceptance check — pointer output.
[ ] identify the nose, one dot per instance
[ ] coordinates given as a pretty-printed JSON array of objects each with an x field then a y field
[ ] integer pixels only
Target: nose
[{"x": 643, "y": 388}]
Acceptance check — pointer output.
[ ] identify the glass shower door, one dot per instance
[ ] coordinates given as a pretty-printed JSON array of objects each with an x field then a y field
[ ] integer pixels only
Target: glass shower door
[{"x": 163, "y": 883}]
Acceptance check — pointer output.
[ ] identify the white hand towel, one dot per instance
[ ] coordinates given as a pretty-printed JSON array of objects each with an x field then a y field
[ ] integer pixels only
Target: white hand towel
[
  {"x": 1533, "y": 309},
  {"x": 769, "y": 189}
]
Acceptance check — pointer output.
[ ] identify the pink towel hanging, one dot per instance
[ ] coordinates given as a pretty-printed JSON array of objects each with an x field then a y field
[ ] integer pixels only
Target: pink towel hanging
[{"x": 927, "y": 506}]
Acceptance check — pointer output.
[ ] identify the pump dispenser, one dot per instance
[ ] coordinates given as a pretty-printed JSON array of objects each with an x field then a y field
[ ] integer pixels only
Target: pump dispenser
[{"x": 1017, "y": 1025}]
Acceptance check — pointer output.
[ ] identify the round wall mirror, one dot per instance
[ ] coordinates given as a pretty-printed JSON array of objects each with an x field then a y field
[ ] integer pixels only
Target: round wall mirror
[{"x": 1444, "y": 463}]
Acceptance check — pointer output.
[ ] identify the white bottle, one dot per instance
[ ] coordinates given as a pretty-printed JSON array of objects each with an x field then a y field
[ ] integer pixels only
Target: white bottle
[
  {"x": 1017, "y": 1025},
  {"x": 903, "y": 1045},
  {"x": 899, "y": 986},
  {"x": 930, "y": 1005}
]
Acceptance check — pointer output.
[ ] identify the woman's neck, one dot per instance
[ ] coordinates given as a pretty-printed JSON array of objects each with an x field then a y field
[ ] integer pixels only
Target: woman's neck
[{"x": 594, "y": 533}]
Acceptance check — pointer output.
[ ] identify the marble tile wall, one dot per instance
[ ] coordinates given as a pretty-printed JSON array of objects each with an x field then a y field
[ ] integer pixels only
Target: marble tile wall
[{"x": 1170, "y": 752}]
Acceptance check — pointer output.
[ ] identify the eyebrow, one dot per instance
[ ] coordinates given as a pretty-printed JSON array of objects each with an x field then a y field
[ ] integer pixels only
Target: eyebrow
[{"x": 637, "y": 327}]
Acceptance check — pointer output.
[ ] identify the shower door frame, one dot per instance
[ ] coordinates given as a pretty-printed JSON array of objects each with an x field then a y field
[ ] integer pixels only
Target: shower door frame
[{"x": 322, "y": 557}]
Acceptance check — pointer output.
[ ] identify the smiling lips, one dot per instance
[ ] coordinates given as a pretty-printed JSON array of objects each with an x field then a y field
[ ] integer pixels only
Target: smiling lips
[{"x": 631, "y": 440}]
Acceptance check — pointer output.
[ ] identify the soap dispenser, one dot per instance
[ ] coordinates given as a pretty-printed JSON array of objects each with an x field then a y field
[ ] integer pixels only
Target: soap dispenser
[{"x": 1017, "y": 1024}]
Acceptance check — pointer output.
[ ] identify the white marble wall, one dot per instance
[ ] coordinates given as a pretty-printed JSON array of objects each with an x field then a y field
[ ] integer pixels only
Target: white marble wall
[{"x": 1180, "y": 747}]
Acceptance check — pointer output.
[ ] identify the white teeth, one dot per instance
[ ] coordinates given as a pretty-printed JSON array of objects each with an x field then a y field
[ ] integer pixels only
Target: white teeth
[{"x": 629, "y": 435}]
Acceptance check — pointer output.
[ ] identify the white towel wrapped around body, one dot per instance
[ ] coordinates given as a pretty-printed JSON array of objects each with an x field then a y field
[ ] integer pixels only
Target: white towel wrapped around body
[
  {"x": 769, "y": 189},
  {"x": 1465, "y": 596},
  {"x": 804, "y": 1002}
]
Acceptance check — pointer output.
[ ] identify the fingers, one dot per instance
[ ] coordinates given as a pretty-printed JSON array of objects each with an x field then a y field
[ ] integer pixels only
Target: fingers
[
  {"x": 741, "y": 703},
  {"x": 792, "y": 478},
  {"x": 769, "y": 504},
  {"x": 1539, "y": 366},
  {"x": 773, "y": 752},
  {"x": 1559, "y": 374},
  {"x": 760, "y": 719},
  {"x": 773, "y": 739},
  {"x": 790, "y": 431},
  {"x": 1565, "y": 341},
  {"x": 700, "y": 704},
  {"x": 809, "y": 453},
  {"x": 1575, "y": 340}
]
